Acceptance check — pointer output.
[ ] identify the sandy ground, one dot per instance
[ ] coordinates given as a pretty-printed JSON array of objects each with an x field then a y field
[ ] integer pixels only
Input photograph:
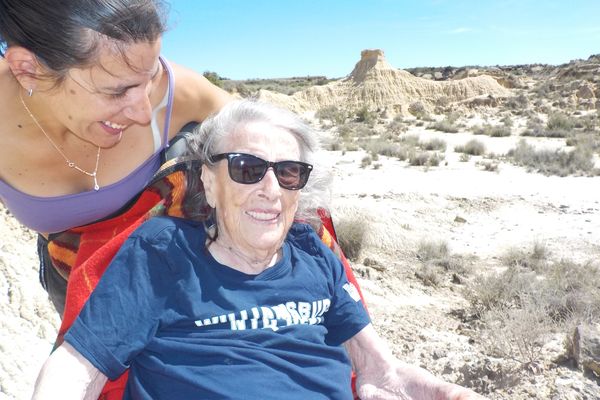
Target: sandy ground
[{"x": 403, "y": 206}]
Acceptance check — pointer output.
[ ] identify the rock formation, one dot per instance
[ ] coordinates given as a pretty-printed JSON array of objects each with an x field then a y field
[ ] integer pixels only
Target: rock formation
[{"x": 374, "y": 83}]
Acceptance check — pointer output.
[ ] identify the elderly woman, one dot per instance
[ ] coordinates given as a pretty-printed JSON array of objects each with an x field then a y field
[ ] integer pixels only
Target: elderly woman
[{"x": 248, "y": 305}]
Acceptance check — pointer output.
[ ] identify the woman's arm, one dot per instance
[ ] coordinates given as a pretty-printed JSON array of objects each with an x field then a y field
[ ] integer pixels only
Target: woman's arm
[
  {"x": 195, "y": 98},
  {"x": 379, "y": 375},
  {"x": 68, "y": 375}
]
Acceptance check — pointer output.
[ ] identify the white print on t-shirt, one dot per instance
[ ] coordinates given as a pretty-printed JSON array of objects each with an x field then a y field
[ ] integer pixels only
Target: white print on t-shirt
[
  {"x": 272, "y": 317},
  {"x": 352, "y": 291}
]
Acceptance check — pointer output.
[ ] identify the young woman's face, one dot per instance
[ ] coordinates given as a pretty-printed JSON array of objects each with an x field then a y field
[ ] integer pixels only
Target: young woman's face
[
  {"x": 254, "y": 218},
  {"x": 99, "y": 103}
]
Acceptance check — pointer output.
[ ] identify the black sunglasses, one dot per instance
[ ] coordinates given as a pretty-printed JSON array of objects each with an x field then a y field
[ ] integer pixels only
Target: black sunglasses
[{"x": 249, "y": 169}]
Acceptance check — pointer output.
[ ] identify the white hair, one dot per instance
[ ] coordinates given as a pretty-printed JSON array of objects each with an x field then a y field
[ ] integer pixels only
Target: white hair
[{"x": 210, "y": 137}]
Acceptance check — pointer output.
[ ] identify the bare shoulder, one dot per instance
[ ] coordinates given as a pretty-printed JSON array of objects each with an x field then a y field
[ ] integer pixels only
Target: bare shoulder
[{"x": 195, "y": 97}]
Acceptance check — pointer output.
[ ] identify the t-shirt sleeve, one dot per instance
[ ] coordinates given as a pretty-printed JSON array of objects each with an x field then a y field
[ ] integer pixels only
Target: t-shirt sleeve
[{"x": 123, "y": 312}]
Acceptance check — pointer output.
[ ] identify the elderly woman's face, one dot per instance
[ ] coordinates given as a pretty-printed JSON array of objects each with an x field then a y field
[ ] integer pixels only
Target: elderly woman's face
[{"x": 254, "y": 218}]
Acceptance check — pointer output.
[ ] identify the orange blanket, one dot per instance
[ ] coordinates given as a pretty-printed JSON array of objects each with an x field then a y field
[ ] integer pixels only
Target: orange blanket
[{"x": 84, "y": 253}]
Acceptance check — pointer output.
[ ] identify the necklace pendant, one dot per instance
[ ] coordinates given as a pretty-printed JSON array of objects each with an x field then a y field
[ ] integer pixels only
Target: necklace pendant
[
  {"x": 71, "y": 164},
  {"x": 96, "y": 187}
]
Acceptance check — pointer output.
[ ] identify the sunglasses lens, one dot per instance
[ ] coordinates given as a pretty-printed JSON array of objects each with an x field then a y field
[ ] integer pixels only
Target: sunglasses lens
[
  {"x": 247, "y": 169},
  {"x": 291, "y": 175}
]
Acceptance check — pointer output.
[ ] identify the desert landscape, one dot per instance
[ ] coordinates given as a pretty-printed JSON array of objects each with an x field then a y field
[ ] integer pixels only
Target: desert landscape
[{"x": 467, "y": 200}]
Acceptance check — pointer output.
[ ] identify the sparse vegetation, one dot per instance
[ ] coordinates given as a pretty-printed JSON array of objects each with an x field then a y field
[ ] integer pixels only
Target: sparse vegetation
[
  {"x": 472, "y": 147},
  {"x": 532, "y": 298},
  {"x": 448, "y": 124},
  {"x": 283, "y": 85},
  {"x": 351, "y": 234},
  {"x": 418, "y": 110},
  {"x": 365, "y": 115},
  {"x": 332, "y": 114},
  {"x": 553, "y": 162}
]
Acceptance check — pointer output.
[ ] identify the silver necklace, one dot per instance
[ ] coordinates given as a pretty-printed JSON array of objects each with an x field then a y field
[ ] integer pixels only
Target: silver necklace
[{"x": 70, "y": 163}]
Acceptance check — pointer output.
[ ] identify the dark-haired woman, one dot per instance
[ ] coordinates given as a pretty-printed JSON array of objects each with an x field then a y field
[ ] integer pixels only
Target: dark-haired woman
[{"x": 87, "y": 105}]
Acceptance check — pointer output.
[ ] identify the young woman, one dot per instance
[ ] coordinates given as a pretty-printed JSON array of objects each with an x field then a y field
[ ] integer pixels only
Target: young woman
[{"x": 87, "y": 106}]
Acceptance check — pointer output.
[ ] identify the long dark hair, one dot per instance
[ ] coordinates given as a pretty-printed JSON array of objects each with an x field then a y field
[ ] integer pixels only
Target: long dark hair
[{"x": 66, "y": 34}]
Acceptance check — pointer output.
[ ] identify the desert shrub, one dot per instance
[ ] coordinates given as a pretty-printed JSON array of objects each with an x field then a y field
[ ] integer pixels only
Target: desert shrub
[
  {"x": 560, "y": 121},
  {"x": 492, "y": 130},
  {"x": 345, "y": 131},
  {"x": 473, "y": 147},
  {"x": 438, "y": 253},
  {"x": 335, "y": 146},
  {"x": 418, "y": 110},
  {"x": 507, "y": 121},
  {"x": 386, "y": 148},
  {"x": 519, "y": 102},
  {"x": 536, "y": 259},
  {"x": 366, "y": 161},
  {"x": 410, "y": 140},
  {"x": 464, "y": 157},
  {"x": 429, "y": 275},
  {"x": 571, "y": 291},
  {"x": 351, "y": 234},
  {"x": 499, "y": 290},
  {"x": 517, "y": 334},
  {"x": 448, "y": 124},
  {"x": 432, "y": 250},
  {"x": 490, "y": 166},
  {"x": 364, "y": 115},
  {"x": 520, "y": 306},
  {"x": 354, "y": 130},
  {"x": 396, "y": 127},
  {"x": 558, "y": 126},
  {"x": 586, "y": 140},
  {"x": 331, "y": 113},
  {"x": 553, "y": 162},
  {"x": 433, "y": 144},
  {"x": 424, "y": 158}
]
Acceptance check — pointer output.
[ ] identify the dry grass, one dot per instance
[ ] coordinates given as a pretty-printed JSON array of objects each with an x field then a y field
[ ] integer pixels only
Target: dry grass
[
  {"x": 473, "y": 147},
  {"x": 554, "y": 162},
  {"x": 533, "y": 297}
]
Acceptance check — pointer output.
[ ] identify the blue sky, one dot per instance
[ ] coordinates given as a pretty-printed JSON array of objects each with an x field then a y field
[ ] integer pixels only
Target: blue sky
[{"x": 243, "y": 39}]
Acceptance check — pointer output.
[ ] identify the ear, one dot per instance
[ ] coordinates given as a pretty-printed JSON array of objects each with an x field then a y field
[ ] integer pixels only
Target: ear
[
  {"x": 208, "y": 180},
  {"x": 24, "y": 66}
]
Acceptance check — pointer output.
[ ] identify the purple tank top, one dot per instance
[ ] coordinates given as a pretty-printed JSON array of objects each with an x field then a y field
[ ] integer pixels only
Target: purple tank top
[{"x": 56, "y": 214}]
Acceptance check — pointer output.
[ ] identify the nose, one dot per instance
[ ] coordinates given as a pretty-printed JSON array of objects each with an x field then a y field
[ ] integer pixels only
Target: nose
[
  {"x": 139, "y": 109},
  {"x": 270, "y": 186}
]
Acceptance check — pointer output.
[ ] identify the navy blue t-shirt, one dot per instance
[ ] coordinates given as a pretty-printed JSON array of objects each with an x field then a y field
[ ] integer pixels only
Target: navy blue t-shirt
[{"x": 191, "y": 328}]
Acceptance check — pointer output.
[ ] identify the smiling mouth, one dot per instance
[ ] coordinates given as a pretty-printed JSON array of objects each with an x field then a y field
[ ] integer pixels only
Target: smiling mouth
[
  {"x": 113, "y": 125},
  {"x": 262, "y": 216}
]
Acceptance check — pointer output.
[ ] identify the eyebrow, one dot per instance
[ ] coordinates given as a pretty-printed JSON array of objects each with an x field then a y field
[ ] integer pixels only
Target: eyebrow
[{"x": 120, "y": 88}]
